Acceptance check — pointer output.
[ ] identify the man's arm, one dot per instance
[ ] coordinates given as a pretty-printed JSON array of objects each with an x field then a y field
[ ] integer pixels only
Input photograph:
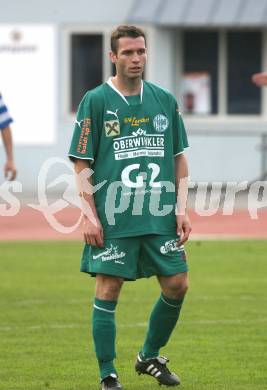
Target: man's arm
[
  {"x": 260, "y": 79},
  {"x": 9, "y": 167},
  {"x": 182, "y": 220},
  {"x": 92, "y": 228}
]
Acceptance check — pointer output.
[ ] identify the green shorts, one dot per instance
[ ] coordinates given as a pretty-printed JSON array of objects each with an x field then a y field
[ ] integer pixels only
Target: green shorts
[{"x": 138, "y": 257}]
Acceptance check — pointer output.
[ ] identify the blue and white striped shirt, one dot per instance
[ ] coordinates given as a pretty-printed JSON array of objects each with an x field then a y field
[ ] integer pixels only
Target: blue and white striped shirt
[{"x": 5, "y": 118}]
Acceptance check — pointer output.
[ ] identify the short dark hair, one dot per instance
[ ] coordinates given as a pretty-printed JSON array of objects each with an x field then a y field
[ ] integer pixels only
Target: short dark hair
[{"x": 124, "y": 31}]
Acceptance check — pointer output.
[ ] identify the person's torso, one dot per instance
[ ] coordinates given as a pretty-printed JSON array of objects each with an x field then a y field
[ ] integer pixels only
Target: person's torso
[{"x": 134, "y": 158}]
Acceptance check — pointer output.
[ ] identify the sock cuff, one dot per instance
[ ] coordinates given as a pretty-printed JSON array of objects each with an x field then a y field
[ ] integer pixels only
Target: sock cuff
[
  {"x": 107, "y": 306},
  {"x": 177, "y": 303}
]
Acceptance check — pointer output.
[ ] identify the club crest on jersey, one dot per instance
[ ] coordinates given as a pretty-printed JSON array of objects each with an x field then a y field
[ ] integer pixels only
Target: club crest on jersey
[
  {"x": 160, "y": 123},
  {"x": 112, "y": 128}
]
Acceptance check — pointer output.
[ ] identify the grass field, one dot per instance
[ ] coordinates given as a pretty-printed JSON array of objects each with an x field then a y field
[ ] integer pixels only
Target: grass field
[{"x": 220, "y": 343}]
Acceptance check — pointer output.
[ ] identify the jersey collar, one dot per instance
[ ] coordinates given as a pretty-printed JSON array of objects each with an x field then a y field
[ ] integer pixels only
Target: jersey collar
[{"x": 109, "y": 82}]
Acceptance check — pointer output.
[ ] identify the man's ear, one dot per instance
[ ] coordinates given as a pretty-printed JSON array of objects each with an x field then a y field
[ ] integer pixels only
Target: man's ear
[{"x": 112, "y": 57}]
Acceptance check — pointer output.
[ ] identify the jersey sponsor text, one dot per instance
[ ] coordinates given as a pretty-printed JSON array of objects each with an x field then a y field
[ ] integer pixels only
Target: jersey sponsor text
[{"x": 140, "y": 144}]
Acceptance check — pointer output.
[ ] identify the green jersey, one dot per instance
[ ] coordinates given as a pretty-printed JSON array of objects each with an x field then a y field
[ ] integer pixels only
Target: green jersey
[{"x": 131, "y": 142}]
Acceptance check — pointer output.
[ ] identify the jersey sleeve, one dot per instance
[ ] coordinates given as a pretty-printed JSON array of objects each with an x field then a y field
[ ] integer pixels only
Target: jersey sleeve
[
  {"x": 5, "y": 118},
  {"x": 85, "y": 134},
  {"x": 180, "y": 141}
]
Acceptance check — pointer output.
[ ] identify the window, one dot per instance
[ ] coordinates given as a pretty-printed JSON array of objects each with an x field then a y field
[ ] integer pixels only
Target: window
[
  {"x": 211, "y": 86},
  {"x": 86, "y": 65},
  {"x": 200, "y": 64},
  {"x": 244, "y": 59}
]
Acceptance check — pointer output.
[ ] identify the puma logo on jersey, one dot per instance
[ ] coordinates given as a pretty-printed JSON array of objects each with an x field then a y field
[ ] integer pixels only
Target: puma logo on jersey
[
  {"x": 113, "y": 113},
  {"x": 79, "y": 123}
]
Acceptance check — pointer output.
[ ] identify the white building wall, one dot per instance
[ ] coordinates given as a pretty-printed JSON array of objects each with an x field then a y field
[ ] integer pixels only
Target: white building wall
[
  {"x": 161, "y": 67},
  {"x": 63, "y": 14}
]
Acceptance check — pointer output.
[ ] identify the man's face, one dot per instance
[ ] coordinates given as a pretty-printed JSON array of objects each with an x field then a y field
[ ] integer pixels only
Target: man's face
[{"x": 130, "y": 58}]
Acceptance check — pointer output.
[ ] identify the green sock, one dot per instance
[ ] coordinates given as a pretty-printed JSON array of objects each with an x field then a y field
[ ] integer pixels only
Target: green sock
[
  {"x": 104, "y": 333},
  {"x": 162, "y": 321}
]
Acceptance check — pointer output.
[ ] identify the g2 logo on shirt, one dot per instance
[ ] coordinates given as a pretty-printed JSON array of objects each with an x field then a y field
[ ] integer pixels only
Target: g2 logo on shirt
[
  {"x": 125, "y": 176},
  {"x": 160, "y": 123}
]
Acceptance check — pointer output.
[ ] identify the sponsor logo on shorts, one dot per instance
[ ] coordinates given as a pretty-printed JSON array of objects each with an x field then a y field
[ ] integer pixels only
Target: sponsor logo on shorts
[
  {"x": 111, "y": 253},
  {"x": 171, "y": 247},
  {"x": 160, "y": 123},
  {"x": 112, "y": 128}
]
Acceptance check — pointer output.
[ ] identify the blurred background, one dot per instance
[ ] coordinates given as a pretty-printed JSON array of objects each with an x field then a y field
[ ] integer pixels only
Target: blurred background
[{"x": 204, "y": 52}]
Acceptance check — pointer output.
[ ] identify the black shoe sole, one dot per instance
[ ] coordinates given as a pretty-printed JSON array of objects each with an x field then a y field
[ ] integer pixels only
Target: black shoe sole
[{"x": 160, "y": 384}]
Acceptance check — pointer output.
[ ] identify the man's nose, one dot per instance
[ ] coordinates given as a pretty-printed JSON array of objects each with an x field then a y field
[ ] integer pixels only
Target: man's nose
[{"x": 136, "y": 58}]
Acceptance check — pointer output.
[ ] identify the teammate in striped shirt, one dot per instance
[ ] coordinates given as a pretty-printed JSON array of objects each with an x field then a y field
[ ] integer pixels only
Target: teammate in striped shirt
[{"x": 10, "y": 171}]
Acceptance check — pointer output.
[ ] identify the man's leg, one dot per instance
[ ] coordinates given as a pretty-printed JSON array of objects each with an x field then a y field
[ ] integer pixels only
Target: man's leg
[
  {"x": 165, "y": 313},
  {"x": 162, "y": 321},
  {"x": 104, "y": 329}
]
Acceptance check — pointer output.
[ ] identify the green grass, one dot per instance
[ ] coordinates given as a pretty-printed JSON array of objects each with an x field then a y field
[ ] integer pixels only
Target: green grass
[{"x": 45, "y": 305}]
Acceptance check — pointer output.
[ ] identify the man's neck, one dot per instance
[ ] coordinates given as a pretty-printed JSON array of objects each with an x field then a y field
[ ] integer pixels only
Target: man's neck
[{"x": 126, "y": 86}]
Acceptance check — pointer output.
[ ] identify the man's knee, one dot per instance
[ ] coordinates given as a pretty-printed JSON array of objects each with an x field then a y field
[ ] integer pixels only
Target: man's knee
[
  {"x": 183, "y": 288},
  {"x": 175, "y": 287},
  {"x": 178, "y": 291},
  {"x": 108, "y": 287}
]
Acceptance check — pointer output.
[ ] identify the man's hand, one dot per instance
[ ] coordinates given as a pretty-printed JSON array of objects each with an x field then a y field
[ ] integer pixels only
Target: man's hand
[
  {"x": 93, "y": 232},
  {"x": 10, "y": 170},
  {"x": 183, "y": 228},
  {"x": 260, "y": 79}
]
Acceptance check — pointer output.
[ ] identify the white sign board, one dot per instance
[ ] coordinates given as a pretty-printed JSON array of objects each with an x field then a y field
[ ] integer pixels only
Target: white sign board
[
  {"x": 28, "y": 81},
  {"x": 196, "y": 93}
]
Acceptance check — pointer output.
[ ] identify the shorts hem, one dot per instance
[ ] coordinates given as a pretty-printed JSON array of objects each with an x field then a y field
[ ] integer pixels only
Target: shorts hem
[
  {"x": 125, "y": 277},
  {"x": 182, "y": 271},
  {"x": 171, "y": 273}
]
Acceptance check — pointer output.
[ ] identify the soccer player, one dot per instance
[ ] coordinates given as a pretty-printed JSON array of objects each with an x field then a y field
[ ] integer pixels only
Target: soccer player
[
  {"x": 5, "y": 120},
  {"x": 131, "y": 134}
]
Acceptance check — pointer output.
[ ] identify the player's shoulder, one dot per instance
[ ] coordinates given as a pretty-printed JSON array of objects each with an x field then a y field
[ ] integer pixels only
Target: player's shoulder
[
  {"x": 95, "y": 93},
  {"x": 161, "y": 92}
]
